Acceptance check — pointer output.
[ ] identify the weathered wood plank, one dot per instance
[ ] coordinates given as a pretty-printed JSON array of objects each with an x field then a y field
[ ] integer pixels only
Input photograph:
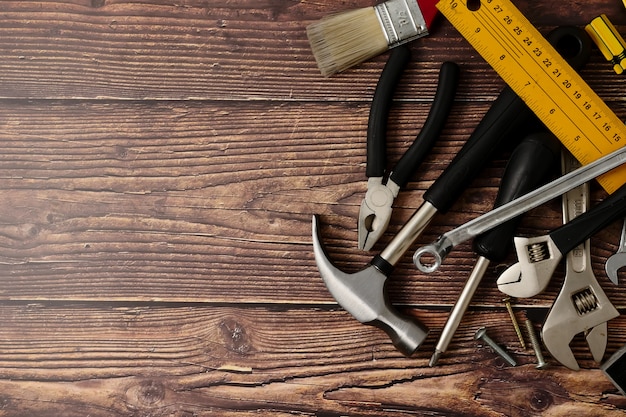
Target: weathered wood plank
[
  {"x": 160, "y": 165},
  {"x": 226, "y": 51},
  {"x": 97, "y": 202},
  {"x": 183, "y": 360}
]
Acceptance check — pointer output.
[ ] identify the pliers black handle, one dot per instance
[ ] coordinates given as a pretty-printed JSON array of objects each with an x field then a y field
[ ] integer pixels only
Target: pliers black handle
[{"x": 377, "y": 205}]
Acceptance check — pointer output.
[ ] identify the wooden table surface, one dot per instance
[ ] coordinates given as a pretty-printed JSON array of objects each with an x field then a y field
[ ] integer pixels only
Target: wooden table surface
[{"x": 161, "y": 162}]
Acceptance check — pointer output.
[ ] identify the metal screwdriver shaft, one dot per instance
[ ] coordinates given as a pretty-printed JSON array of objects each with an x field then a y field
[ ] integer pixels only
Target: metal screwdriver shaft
[{"x": 527, "y": 168}]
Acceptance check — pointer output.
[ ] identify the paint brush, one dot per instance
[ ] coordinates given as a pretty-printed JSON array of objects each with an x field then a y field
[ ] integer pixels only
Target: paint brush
[{"x": 345, "y": 39}]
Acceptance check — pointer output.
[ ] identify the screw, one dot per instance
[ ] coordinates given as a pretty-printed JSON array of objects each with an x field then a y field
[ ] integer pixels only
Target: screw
[
  {"x": 481, "y": 334},
  {"x": 507, "y": 303},
  {"x": 541, "y": 363}
]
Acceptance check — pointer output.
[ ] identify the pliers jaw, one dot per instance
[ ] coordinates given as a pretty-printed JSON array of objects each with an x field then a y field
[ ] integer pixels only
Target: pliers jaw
[{"x": 375, "y": 211}]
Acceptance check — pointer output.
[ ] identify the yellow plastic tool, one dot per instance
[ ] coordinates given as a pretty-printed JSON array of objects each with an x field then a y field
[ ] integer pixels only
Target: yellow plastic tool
[
  {"x": 542, "y": 78},
  {"x": 609, "y": 41}
]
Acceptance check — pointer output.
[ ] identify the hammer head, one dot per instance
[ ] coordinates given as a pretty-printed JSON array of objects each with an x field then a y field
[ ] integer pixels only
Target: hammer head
[{"x": 363, "y": 295}]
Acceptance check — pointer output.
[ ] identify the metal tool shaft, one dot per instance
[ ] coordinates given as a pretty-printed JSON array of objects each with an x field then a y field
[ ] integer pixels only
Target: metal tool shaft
[
  {"x": 438, "y": 250},
  {"x": 456, "y": 315}
]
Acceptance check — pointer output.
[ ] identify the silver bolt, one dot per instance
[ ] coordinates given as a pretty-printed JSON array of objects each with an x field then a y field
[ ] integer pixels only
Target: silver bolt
[
  {"x": 541, "y": 363},
  {"x": 481, "y": 334}
]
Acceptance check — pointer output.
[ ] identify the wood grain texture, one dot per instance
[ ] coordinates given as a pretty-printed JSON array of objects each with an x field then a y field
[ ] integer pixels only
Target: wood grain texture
[{"x": 160, "y": 164}]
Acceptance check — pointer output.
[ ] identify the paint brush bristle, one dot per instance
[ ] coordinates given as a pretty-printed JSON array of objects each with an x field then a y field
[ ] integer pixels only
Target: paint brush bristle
[{"x": 343, "y": 40}]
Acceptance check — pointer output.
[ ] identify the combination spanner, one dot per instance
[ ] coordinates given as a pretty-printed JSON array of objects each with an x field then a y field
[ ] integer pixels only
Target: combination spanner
[
  {"x": 436, "y": 252},
  {"x": 581, "y": 306}
]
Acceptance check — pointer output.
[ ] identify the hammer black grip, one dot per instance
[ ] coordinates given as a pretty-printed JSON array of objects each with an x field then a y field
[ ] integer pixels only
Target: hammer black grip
[{"x": 507, "y": 119}]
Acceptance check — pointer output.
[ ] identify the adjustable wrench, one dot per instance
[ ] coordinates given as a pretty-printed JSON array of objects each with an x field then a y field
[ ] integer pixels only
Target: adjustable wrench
[
  {"x": 539, "y": 256},
  {"x": 618, "y": 259},
  {"x": 581, "y": 306}
]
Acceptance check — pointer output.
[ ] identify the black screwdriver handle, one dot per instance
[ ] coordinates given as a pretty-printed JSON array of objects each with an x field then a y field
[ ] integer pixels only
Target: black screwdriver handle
[
  {"x": 576, "y": 231},
  {"x": 530, "y": 165},
  {"x": 379, "y": 110},
  {"x": 437, "y": 116},
  {"x": 507, "y": 119}
]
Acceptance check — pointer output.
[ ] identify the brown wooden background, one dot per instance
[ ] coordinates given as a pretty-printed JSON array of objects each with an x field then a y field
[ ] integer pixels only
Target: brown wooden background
[{"x": 160, "y": 164}]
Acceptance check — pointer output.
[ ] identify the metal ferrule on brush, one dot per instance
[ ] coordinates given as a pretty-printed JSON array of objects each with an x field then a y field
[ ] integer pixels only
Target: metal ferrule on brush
[{"x": 401, "y": 20}]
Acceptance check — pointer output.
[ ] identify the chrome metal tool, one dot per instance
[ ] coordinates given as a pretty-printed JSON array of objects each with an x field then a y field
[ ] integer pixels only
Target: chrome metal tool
[
  {"x": 429, "y": 258},
  {"x": 363, "y": 293},
  {"x": 618, "y": 259},
  {"x": 539, "y": 256},
  {"x": 529, "y": 166},
  {"x": 581, "y": 306}
]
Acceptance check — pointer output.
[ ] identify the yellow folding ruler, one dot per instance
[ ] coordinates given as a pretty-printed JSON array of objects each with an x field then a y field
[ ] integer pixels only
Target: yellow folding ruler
[{"x": 531, "y": 66}]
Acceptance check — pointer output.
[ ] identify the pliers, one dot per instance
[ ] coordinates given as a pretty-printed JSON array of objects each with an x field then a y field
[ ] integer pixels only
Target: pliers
[{"x": 376, "y": 207}]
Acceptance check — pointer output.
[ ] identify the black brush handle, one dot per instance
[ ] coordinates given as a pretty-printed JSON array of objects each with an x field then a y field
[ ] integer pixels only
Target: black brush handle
[
  {"x": 530, "y": 165},
  {"x": 437, "y": 116},
  {"x": 576, "y": 231},
  {"x": 379, "y": 111},
  {"x": 506, "y": 119}
]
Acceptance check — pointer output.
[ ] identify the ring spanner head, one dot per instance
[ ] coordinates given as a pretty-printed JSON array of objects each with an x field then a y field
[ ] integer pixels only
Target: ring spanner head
[{"x": 363, "y": 295}]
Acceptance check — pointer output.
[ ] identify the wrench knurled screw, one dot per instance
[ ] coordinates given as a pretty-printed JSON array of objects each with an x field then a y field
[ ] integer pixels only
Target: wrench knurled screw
[
  {"x": 518, "y": 331},
  {"x": 481, "y": 334},
  {"x": 541, "y": 363}
]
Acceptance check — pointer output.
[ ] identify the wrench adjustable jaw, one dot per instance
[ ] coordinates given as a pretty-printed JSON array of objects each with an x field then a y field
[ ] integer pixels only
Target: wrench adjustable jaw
[
  {"x": 618, "y": 259},
  {"x": 363, "y": 295},
  {"x": 581, "y": 307},
  {"x": 538, "y": 258}
]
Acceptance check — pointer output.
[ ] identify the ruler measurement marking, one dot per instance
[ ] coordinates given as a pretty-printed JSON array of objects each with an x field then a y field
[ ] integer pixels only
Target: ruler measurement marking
[
  {"x": 512, "y": 51},
  {"x": 535, "y": 71},
  {"x": 515, "y": 47},
  {"x": 535, "y": 84},
  {"x": 532, "y": 82}
]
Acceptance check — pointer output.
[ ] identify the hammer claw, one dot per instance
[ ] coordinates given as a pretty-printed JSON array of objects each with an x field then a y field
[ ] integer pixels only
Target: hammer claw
[{"x": 363, "y": 295}]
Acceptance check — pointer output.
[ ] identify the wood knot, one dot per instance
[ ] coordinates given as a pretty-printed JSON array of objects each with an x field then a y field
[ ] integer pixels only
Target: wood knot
[
  {"x": 541, "y": 400},
  {"x": 146, "y": 394},
  {"x": 121, "y": 152},
  {"x": 235, "y": 336}
]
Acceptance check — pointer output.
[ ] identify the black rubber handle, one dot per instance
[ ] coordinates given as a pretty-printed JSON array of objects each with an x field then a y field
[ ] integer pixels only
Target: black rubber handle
[
  {"x": 576, "y": 231},
  {"x": 437, "y": 116},
  {"x": 530, "y": 166},
  {"x": 379, "y": 111},
  {"x": 507, "y": 119}
]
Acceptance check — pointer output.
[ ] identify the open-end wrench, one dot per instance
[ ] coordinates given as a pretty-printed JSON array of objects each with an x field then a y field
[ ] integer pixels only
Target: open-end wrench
[
  {"x": 436, "y": 252},
  {"x": 618, "y": 259},
  {"x": 581, "y": 306},
  {"x": 539, "y": 256}
]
